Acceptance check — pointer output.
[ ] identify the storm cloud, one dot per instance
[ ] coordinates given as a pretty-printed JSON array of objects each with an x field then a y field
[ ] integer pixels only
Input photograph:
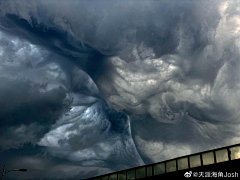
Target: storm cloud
[{"x": 119, "y": 84}]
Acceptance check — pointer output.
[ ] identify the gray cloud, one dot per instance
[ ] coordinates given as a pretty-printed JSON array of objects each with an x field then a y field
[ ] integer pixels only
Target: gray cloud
[
  {"x": 26, "y": 113},
  {"x": 98, "y": 136},
  {"x": 42, "y": 165},
  {"x": 57, "y": 105},
  {"x": 172, "y": 67}
]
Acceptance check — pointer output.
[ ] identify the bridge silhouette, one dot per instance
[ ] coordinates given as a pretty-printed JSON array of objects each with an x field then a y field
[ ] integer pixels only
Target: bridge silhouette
[{"x": 215, "y": 163}]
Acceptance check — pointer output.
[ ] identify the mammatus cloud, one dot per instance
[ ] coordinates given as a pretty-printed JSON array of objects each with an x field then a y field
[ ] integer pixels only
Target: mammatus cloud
[{"x": 171, "y": 67}]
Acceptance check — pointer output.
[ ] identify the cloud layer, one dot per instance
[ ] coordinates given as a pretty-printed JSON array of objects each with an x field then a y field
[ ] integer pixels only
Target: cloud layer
[
  {"x": 56, "y": 105},
  {"x": 128, "y": 82}
]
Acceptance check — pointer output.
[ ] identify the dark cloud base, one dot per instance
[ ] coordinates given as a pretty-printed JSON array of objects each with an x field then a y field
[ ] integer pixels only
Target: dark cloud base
[{"x": 39, "y": 164}]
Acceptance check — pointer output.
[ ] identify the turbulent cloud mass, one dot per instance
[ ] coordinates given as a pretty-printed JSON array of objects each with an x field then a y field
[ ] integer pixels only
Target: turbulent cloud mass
[{"x": 92, "y": 87}]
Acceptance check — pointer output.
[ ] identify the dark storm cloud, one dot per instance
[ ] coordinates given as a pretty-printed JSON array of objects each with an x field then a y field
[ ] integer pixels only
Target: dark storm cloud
[
  {"x": 89, "y": 138},
  {"x": 29, "y": 106},
  {"x": 27, "y": 103},
  {"x": 42, "y": 165},
  {"x": 81, "y": 83},
  {"x": 99, "y": 136},
  {"x": 172, "y": 67},
  {"x": 29, "y": 111},
  {"x": 26, "y": 113},
  {"x": 58, "y": 42}
]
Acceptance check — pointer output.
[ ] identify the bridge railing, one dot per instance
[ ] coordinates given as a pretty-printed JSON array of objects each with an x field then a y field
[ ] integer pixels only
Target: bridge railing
[{"x": 214, "y": 156}]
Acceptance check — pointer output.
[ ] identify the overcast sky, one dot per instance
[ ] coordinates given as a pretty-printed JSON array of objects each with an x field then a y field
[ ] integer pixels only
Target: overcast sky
[{"x": 93, "y": 87}]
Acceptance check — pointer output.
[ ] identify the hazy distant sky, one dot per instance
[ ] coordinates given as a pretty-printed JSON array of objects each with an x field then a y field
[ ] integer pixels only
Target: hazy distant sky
[{"x": 92, "y": 87}]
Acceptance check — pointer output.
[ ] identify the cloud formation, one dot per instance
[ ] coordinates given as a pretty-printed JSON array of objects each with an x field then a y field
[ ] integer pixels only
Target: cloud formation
[
  {"x": 58, "y": 106},
  {"x": 98, "y": 135},
  {"x": 170, "y": 69},
  {"x": 43, "y": 165},
  {"x": 180, "y": 35}
]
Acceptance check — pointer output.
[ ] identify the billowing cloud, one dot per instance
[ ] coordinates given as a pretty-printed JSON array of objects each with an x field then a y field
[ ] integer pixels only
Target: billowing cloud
[
  {"x": 170, "y": 69},
  {"x": 58, "y": 106},
  {"x": 31, "y": 101},
  {"x": 98, "y": 135}
]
